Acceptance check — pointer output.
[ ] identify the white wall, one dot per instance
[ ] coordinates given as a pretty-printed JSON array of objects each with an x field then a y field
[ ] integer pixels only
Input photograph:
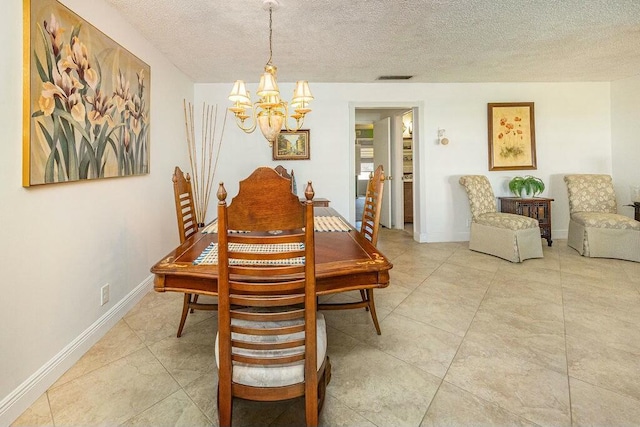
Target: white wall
[
  {"x": 573, "y": 134},
  {"x": 60, "y": 243},
  {"x": 625, "y": 123}
]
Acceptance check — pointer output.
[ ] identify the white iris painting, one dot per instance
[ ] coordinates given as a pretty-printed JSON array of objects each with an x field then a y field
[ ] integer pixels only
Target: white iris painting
[{"x": 88, "y": 113}]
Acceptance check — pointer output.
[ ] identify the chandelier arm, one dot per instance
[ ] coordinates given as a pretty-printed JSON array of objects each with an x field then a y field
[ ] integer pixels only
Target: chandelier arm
[
  {"x": 299, "y": 122},
  {"x": 254, "y": 121}
]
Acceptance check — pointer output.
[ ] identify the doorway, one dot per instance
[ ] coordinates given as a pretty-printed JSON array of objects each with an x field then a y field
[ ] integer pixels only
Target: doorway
[{"x": 401, "y": 169}]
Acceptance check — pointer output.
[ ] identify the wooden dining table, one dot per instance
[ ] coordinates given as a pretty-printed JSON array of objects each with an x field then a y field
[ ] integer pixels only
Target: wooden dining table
[{"x": 344, "y": 260}]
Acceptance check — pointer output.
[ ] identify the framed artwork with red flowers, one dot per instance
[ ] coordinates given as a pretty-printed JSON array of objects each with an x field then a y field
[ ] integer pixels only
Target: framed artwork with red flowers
[
  {"x": 86, "y": 100},
  {"x": 512, "y": 136}
]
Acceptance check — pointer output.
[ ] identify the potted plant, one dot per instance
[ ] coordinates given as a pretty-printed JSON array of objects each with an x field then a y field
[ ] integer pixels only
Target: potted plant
[{"x": 527, "y": 184}]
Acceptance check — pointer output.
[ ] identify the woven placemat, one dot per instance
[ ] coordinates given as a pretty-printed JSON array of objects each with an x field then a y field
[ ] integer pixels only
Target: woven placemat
[
  {"x": 321, "y": 223},
  {"x": 329, "y": 223},
  {"x": 210, "y": 255}
]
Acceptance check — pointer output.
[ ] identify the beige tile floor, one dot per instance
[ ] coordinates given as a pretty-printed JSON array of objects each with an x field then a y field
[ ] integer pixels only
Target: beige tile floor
[{"x": 467, "y": 339}]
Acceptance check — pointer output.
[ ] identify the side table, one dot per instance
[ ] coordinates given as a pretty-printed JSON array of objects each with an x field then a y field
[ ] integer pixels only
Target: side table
[
  {"x": 535, "y": 207},
  {"x": 636, "y": 206},
  {"x": 320, "y": 202}
]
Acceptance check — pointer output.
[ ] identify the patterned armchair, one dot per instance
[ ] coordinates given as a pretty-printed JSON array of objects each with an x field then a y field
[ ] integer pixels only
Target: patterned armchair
[
  {"x": 595, "y": 227},
  {"x": 512, "y": 237}
]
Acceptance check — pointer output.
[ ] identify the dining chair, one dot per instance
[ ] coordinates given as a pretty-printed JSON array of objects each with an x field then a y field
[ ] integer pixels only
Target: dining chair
[
  {"x": 595, "y": 227},
  {"x": 505, "y": 235},
  {"x": 187, "y": 227},
  {"x": 369, "y": 230},
  {"x": 282, "y": 171},
  {"x": 271, "y": 342}
]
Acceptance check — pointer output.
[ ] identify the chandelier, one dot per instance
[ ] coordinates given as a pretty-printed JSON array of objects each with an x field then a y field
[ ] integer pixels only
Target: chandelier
[{"x": 269, "y": 112}]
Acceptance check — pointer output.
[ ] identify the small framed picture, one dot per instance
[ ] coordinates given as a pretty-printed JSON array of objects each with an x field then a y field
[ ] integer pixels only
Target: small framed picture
[
  {"x": 292, "y": 145},
  {"x": 512, "y": 136}
]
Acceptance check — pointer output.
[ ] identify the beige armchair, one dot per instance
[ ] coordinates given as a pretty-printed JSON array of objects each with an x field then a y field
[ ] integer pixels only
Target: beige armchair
[
  {"x": 595, "y": 227},
  {"x": 512, "y": 237}
]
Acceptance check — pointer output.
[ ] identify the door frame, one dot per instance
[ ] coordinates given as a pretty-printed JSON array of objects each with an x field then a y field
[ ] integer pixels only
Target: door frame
[
  {"x": 382, "y": 156},
  {"x": 418, "y": 120}
]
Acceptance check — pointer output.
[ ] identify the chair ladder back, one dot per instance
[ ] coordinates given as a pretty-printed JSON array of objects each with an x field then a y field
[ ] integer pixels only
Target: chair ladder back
[
  {"x": 282, "y": 171},
  {"x": 373, "y": 206},
  {"x": 185, "y": 207}
]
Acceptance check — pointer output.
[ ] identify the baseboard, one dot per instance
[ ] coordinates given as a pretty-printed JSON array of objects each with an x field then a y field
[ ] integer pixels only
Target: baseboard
[
  {"x": 560, "y": 234},
  {"x": 13, "y": 405},
  {"x": 441, "y": 237}
]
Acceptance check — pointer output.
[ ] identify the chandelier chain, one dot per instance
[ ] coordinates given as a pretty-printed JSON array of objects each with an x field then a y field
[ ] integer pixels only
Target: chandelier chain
[
  {"x": 270, "y": 112},
  {"x": 270, "y": 36}
]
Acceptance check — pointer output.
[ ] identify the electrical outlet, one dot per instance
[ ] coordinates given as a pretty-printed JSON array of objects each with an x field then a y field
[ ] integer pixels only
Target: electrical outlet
[
  {"x": 468, "y": 223},
  {"x": 104, "y": 294}
]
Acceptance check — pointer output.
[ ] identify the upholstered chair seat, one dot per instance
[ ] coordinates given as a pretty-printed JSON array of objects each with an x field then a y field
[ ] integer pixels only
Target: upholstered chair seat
[
  {"x": 506, "y": 220},
  {"x": 595, "y": 227},
  {"x": 605, "y": 220},
  {"x": 508, "y": 236},
  {"x": 274, "y": 375}
]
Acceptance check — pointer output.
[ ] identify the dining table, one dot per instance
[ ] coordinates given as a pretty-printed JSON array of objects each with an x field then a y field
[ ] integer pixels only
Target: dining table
[{"x": 344, "y": 259}]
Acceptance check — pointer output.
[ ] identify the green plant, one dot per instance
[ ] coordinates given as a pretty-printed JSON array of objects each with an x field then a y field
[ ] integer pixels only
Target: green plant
[{"x": 526, "y": 184}]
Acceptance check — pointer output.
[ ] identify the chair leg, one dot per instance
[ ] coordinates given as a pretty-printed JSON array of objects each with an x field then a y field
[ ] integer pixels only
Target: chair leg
[
  {"x": 312, "y": 409},
  {"x": 363, "y": 295},
  {"x": 195, "y": 300},
  {"x": 185, "y": 311},
  {"x": 323, "y": 382},
  {"x": 225, "y": 409},
  {"x": 372, "y": 309}
]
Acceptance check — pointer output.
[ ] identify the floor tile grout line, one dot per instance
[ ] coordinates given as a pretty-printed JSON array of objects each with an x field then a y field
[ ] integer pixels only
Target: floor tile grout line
[
  {"x": 170, "y": 374},
  {"x": 456, "y": 353},
  {"x": 182, "y": 387},
  {"x": 53, "y": 420},
  {"x": 616, "y": 392},
  {"x": 53, "y": 386},
  {"x": 490, "y": 403},
  {"x": 566, "y": 348}
]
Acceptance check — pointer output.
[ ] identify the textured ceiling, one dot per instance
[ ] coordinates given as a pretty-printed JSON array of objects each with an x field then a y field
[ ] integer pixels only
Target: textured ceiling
[{"x": 359, "y": 40}]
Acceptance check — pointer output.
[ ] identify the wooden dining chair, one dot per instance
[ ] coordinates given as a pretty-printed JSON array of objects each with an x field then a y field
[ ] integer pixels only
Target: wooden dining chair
[
  {"x": 369, "y": 230},
  {"x": 282, "y": 171},
  {"x": 271, "y": 343},
  {"x": 187, "y": 227}
]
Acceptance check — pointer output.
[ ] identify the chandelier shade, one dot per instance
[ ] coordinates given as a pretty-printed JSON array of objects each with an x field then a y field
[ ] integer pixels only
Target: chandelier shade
[{"x": 269, "y": 112}]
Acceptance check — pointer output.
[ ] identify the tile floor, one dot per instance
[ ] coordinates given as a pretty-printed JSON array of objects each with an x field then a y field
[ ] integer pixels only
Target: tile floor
[{"x": 467, "y": 339}]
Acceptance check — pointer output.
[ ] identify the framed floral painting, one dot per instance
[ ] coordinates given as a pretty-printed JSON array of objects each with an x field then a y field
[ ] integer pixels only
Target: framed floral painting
[
  {"x": 292, "y": 145},
  {"x": 512, "y": 138},
  {"x": 86, "y": 112}
]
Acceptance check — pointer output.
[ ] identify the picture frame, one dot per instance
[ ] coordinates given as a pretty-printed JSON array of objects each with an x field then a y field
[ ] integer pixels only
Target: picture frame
[
  {"x": 512, "y": 138},
  {"x": 292, "y": 145},
  {"x": 86, "y": 112}
]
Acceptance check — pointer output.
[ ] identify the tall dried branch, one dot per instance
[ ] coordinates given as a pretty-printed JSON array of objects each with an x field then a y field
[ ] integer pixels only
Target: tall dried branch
[{"x": 204, "y": 166}]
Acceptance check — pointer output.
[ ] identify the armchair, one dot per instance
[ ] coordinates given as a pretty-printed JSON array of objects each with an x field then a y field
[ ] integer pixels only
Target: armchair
[
  {"x": 508, "y": 236},
  {"x": 595, "y": 227}
]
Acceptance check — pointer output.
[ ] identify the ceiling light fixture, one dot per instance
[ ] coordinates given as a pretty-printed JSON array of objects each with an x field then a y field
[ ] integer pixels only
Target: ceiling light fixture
[{"x": 269, "y": 112}]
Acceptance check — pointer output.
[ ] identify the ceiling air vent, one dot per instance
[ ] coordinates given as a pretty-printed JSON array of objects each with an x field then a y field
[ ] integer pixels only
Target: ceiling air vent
[{"x": 394, "y": 77}]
